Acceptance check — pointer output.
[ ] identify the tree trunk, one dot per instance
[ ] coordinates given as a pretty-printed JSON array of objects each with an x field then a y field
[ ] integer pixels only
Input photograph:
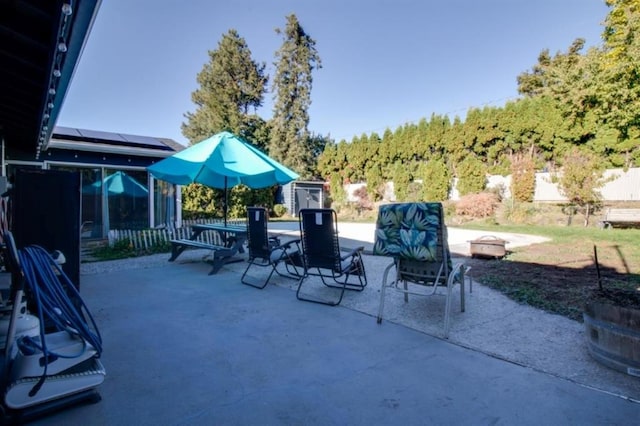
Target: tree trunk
[{"x": 586, "y": 215}]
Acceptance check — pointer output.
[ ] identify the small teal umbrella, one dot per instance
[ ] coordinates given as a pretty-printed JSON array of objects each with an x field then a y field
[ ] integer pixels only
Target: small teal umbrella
[
  {"x": 222, "y": 161},
  {"x": 118, "y": 183}
]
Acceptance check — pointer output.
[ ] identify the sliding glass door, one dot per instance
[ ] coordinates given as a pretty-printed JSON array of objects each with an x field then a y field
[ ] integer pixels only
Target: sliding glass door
[{"x": 127, "y": 198}]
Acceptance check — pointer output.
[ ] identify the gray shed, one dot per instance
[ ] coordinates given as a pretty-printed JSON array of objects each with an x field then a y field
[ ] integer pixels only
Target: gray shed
[{"x": 303, "y": 194}]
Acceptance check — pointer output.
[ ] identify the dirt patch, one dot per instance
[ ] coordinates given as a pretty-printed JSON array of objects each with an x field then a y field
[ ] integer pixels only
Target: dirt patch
[{"x": 561, "y": 278}]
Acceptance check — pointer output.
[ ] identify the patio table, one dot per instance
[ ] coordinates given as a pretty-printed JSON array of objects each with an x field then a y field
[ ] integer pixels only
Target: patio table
[{"x": 234, "y": 237}]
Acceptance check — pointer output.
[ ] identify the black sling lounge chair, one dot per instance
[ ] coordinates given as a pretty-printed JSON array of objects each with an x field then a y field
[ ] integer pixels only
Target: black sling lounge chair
[
  {"x": 267, "y": 251},
  {"x": 322, "y": 257}
]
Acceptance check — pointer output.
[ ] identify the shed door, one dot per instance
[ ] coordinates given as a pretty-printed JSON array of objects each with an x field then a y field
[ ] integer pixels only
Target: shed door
[{"x": 307, "y": 198}]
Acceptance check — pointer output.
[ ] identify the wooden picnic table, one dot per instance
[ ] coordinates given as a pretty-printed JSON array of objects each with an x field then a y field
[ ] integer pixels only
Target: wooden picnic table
[{"x": 233, "y": 236}]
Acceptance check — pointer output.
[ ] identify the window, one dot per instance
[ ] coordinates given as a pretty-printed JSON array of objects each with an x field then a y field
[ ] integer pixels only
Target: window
[
  {"x": 127, "y": 198},
  {"x": 164, "y": 209}
]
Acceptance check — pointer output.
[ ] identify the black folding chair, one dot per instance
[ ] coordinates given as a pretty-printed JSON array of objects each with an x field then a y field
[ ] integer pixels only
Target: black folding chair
[
  {"x": 321, "y": 254},
  {"x": 267, "y": 251}
]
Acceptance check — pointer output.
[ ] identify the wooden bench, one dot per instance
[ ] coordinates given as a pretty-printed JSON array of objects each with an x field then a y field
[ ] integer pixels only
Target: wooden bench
[
  {"x": 623, "y": 218},
  {"x": 220, "y": 255}
]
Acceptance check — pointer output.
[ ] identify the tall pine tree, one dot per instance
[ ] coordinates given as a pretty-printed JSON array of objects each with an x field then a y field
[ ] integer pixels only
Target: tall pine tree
[
  {"x": 232, "y": 87},
  {"x": 290, "y": 141}
]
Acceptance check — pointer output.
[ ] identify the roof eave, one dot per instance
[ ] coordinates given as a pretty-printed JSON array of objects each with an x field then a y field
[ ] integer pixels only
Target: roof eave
[{"x": 84, "y": 15}]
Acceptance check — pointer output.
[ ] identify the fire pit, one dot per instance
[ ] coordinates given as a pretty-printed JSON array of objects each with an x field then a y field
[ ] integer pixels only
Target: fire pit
[{"x": 488, "y": 246}]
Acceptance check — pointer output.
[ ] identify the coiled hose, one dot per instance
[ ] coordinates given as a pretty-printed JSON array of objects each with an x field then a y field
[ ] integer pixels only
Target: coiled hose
[{"x": 52, "y": 298}]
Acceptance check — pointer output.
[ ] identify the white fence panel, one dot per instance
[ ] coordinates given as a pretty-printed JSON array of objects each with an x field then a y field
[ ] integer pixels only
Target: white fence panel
[
  {"x": 625, "y": 187},
  {"x": 147, "y": 238}
]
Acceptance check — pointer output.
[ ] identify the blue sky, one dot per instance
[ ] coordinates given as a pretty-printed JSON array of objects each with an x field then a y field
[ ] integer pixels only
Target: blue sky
[{"x": 385, "y": 62}]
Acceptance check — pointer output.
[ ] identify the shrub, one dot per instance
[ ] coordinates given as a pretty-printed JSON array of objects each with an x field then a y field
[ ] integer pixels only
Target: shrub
[
  {"x": 449, "y": 208},
  {"x": 279, "y": 210},
  {"x": 477, "y": 206},
  {"x": 121, "y": 249},
  {"x": 363, "y": 202},
  {"x": 523, "y": 179},
  {"x": 520, "y": 213}
]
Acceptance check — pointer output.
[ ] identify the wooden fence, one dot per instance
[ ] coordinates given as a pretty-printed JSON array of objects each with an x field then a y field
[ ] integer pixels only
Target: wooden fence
[{"x": 144, "y": 239}]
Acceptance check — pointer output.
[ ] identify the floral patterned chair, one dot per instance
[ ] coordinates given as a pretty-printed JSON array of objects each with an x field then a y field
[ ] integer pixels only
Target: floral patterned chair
[{"x": 415, "y": 236}]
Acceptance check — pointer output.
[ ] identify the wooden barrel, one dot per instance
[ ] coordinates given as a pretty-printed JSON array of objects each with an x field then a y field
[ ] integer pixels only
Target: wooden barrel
[{"x": 613, "y": 336}]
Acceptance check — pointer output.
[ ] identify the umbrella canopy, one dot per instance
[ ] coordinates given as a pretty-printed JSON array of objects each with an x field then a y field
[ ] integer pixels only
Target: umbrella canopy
[
  {"x": 118, "y": 183},
  {"x": 222, "y": 161}
]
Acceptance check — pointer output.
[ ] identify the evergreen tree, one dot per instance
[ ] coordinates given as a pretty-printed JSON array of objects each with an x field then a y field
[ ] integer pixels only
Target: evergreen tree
[
  {"x": 232, "y": 87},
  {"x": 317, "y": 144},
  {"x": 620, "y": 90},
  {"x": 295, "y": 61},
  {"x": 472, "y": 176},
  {"x": 337, "y": 193},
  {"x": 436, "y": 181},
  {"x": 401, "y": 180},
  {"x": 523, "y": 178}
]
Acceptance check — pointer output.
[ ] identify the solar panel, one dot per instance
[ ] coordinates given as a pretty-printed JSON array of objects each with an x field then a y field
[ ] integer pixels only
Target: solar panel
[
  {"x": 111, "y": 138},
  {"x": 143, "y": 140},
  {"x": 106, "y": 136},
  {"x": 66, "y": 131}
]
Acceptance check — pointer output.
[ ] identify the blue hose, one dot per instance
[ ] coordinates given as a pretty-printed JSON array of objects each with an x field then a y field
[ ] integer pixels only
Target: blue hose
[{"x": 52, "y": 299}]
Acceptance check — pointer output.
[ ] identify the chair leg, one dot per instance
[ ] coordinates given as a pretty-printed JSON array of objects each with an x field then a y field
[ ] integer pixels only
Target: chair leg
[
  {"x": 342, "y": 279},
  {"x": 362, "y": 273},
  {"x": 290, "y": 266},
  {"x": 385, "y": 276},
  {"x": 299, "y": 295},
  {"x": 342, "y": 282},
  {"x": 252, "y": 284},
  {"x": 447, "y": 309},
  {"x": 293, "y": 274},
  {"x": 462, "y": 295},
  {"x": 462, "y": 276},
  {"x": 459, "y": 271}
]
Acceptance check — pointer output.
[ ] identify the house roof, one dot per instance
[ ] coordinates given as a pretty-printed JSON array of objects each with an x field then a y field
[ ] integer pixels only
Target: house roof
[
  {"x": 40, "y": 46},
  {"x": 68, "y": 138}
]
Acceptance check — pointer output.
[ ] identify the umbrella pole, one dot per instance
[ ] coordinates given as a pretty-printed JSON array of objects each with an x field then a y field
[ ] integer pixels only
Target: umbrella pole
[{"x": 226, "y": 201}]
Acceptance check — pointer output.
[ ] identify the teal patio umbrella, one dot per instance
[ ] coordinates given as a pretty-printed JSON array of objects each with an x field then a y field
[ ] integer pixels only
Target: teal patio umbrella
[
  {"x": 118, "y": 183},
  {"x": 222, "y": 161}
]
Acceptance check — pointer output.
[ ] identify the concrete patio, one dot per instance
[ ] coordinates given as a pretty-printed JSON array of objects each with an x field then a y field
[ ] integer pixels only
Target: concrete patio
[{"x": 183, "y": 348}]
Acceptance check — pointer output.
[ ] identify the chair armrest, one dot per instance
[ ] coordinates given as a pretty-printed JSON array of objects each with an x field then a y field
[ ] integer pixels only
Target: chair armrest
[
  {"x": 288, "y": 244},
  {"x": 274, "y": 241},
  {"x": 353, "y": 252},
  {"x": 458, "y": 271}
]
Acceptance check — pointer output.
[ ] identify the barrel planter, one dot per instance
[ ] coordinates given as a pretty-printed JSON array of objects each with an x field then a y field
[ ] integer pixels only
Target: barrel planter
[{"x": 613, "y": 336}]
